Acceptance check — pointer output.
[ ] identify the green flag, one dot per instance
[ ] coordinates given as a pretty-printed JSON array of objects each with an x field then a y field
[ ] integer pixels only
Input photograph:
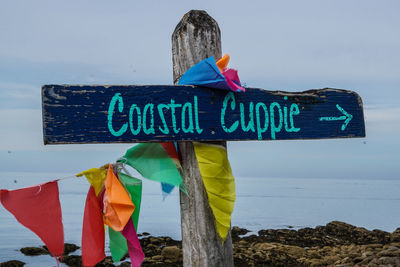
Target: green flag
[{"x": 153, "y": 162}]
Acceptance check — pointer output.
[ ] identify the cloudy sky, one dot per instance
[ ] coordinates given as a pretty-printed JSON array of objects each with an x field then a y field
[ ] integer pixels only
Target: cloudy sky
[{"x": 285, "y": 45}]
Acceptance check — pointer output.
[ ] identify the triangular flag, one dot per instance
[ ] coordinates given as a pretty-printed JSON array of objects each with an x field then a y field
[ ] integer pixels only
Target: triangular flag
[
  {"x": 153, "y": 162},
  {"x": 135, "y": 250},
  {"x": 118, "y": 206},
  {"x": 93, "y": 235},
  {"x": 38, "y": 208},
  {"x": 95, "y": 177},
  {"x": 118, "y": 244}
]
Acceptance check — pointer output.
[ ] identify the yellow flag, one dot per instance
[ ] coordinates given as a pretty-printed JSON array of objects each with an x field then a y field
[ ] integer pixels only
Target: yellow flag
[
  {"x": 219, "y": 183},
  {"x": 95, "y": 177}
]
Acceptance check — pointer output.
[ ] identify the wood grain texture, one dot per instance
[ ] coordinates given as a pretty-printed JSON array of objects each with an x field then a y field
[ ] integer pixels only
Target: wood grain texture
[
  {"x": 197, "y": 37},
  {"x": 79, "y": 114}
]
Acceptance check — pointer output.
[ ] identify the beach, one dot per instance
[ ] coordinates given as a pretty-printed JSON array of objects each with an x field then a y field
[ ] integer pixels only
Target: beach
[
  {"x": 262, "y": 204},
  {"x": 335, "y": 244}
]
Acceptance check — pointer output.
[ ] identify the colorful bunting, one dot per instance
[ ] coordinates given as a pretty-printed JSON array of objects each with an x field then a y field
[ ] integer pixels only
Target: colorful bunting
[
  {"x": 115, "y": 200},
  {"x": 38, "y": 208},
  {"x": 118, "y": 244},
  {"x": 153, "y": 162},
  {"x": 118, "y": 206},
  {"x": 93, "y": 235},
  {"x": 219, "y": 183}
]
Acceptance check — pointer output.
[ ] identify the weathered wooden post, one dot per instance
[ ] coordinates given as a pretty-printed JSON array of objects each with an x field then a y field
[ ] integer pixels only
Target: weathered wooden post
[{"x": 197, "y": 37}]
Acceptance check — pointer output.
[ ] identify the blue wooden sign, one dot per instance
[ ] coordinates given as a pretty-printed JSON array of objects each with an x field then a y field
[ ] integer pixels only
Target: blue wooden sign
[{"x": 156, "y": 113}]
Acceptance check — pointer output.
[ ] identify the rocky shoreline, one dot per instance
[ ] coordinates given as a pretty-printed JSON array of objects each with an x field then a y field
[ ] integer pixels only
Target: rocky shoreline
[{"x": 335, "y": 244}]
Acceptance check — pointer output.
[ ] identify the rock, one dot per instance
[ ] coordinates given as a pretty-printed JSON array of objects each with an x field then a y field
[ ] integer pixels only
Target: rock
[
  {"x": 358, "y": 260},
  {"x": 367, "y": 254},
  {"x": 125, "y": 264},
  {"x": 389, "y": 252},
  {"x": 264, "y": 246},
  {"x": 395, "y": 236},
  {"x": 388, "y": 261},
  {"x": 316, "y": 263},
  {"x": 13, "y": 263},
  {"x": 107, "y": 262},
  {"x": 172, "y": 253},
  {"x": 157, "y": 258},
  {"x": 69, "y": 248},
  {"x": 296, "y": 252},
  {"x": 336, "y": 244},
  {"x": 145, "y": 234},
  {"x": 155, "y": 240},
  {"x": 73, "y": 260},
  {"x": 331, "y": 259},
  {"x": 237, "y": 231},
  {"x": 34, "y": 251}
]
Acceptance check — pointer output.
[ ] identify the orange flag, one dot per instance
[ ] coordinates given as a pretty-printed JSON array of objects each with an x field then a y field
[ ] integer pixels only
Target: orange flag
[
  {"x": 118, "y": 206},
  {"x": 93, "y": 235},
  {"x": 38, "y": 208}
]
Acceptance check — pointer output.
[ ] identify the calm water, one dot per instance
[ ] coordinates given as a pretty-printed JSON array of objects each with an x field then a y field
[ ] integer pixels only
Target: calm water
[{"x": 261, "y": 203}]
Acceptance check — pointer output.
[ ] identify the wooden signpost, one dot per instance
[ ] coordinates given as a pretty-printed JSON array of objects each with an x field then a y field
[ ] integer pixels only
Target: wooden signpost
[
  {"x": 105, "y": 114},
  {"x": 159, "y": 113}
]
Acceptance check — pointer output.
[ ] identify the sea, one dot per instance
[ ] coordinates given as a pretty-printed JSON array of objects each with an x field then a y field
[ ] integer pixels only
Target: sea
[{"x": 261, "y": 203}]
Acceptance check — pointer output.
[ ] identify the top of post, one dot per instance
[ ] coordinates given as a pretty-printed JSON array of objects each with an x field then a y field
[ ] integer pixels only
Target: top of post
[
  {"x": 199, "y": 19},
  {"x": 196, "y": 37}
]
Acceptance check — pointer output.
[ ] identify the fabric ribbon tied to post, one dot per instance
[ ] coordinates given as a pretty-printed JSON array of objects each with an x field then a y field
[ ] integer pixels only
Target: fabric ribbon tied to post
[
  {"x": 219, "y": 183},
  {"x": 213, "y": 74}
]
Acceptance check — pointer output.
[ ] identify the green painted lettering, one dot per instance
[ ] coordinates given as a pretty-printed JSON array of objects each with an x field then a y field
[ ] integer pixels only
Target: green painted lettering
[
  {"x": 160, "y": 108},
  {"x": 187, "y": 107},
  {"x": 250, "y": 125},
  {"x": 274, "y": 128},
  {"x": 294, "y": 110},
  {"x": 173, "y": 106},
  {"x": 196, "y": 116},
  {"x": 234, "y": 126},
  {"x": 116, "y": 97},
  {"x": 139, "y": 119},
  {"x": 261, "y": 130},
  {"x": 148, "y": 130}
]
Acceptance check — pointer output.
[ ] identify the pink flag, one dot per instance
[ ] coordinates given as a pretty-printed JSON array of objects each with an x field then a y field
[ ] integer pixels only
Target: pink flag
[
  {"x": 135, "y": 250},
  {"x": 38, "y": 208}
]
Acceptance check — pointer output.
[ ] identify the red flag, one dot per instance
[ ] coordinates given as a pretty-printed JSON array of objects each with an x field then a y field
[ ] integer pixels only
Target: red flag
[
  {"x": 38, "y": 208},
  {"x": 93, "y": 231},
  {"x": 171, "y": 150}
]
